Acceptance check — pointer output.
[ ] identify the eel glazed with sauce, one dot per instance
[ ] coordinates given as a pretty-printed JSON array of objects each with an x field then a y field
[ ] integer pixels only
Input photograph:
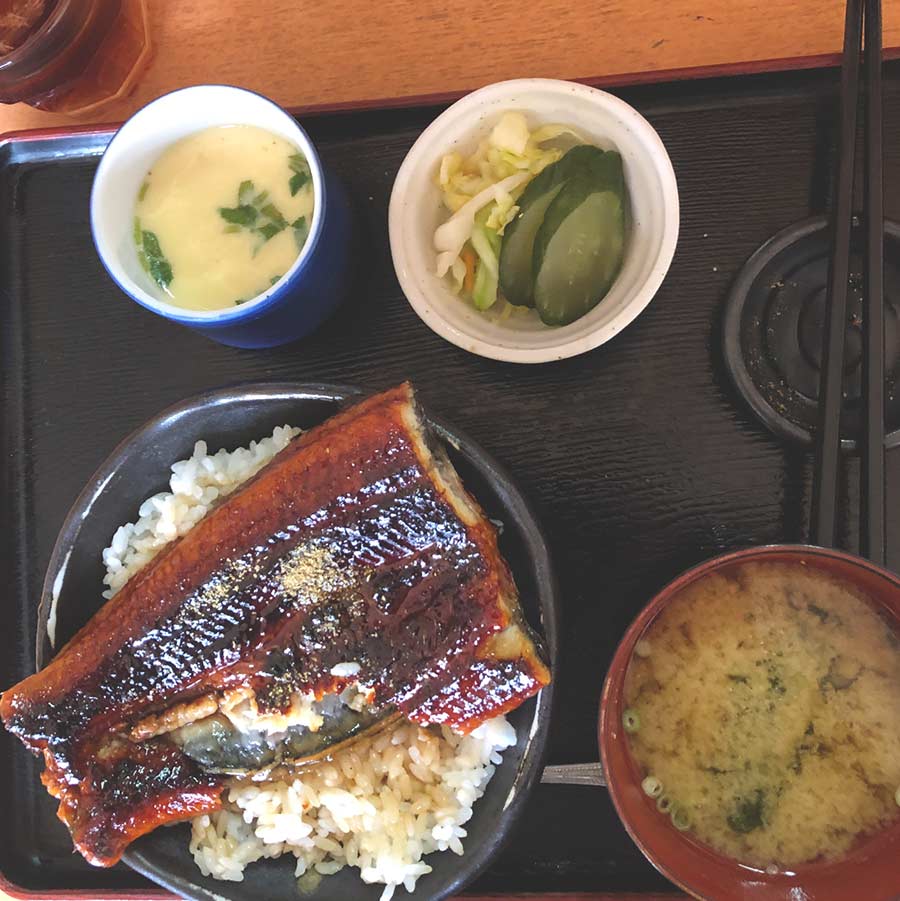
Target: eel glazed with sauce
[{"x": 351, "y": 582}]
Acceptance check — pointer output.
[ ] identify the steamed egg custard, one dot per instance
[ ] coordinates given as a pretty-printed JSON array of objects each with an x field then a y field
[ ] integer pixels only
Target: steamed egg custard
[
  {"x": 763, "y": 709},
  {"x": 222, "y": 215}
]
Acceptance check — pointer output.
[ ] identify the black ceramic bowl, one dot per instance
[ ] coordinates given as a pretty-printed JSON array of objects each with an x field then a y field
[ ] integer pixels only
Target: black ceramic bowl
[{"x": 229, "y": 418}]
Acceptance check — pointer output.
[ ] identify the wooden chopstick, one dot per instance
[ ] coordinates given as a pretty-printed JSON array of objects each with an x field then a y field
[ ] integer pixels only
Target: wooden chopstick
[
  {"x": 828, "y": 434},
  {"x": 872, "y": 526}
]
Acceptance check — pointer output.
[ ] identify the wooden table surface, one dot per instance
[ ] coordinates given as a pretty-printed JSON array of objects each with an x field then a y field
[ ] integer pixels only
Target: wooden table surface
[{"x": 348, "y": 53}]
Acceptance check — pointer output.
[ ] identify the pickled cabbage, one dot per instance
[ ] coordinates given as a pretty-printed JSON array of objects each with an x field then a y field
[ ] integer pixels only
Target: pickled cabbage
[{"x": 491, "y": 179}]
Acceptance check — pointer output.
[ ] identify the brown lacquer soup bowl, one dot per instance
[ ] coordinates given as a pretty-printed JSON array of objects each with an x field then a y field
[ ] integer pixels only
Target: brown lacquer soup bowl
[{"x": 869, "y": 869}]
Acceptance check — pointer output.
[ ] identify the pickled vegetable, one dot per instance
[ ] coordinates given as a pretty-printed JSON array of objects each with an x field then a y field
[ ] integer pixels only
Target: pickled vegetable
[
  {"x": 516, "y": 268},
  {"x": 532, "y": 225},
  {"x": 580, "y": 245},
  {"x": 486, "y": 243}
]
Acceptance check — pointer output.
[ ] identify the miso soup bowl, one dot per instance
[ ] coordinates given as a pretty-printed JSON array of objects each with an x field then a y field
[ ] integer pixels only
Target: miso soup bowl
[
  {"x": 302, "y": 298},
  {"x": 870, "y": 870}
]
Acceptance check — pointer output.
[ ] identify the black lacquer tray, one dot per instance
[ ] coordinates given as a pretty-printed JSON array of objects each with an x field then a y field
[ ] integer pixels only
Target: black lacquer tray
[{"x": 639, "y": 457}]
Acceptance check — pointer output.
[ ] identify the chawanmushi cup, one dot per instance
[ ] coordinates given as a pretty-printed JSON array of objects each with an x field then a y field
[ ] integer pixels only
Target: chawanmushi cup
[{"x": 302, "y": 298}]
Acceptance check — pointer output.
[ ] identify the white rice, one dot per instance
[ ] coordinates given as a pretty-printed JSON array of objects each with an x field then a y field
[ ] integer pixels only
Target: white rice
[
  {"x": 196, "y": 484},
  {"x": 380, "y": 805}
]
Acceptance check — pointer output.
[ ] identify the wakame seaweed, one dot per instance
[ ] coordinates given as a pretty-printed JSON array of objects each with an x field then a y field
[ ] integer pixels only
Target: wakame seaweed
[{"x": 748, "y": 813}]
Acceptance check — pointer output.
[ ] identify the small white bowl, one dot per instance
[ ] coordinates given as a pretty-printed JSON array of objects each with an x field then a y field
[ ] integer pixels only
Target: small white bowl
[{"x": 416, "y": 211}]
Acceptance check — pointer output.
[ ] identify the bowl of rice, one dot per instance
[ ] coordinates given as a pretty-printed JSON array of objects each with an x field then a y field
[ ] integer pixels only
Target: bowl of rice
[{"x": 408, "y": 812}]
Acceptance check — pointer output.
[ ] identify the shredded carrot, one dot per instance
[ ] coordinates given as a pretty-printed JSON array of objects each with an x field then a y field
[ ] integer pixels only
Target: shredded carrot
[{"x": 469, "y": 258}]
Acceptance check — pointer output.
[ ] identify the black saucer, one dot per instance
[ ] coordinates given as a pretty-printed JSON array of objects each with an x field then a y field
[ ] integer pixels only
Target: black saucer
[{"x": 773, "y": 330}]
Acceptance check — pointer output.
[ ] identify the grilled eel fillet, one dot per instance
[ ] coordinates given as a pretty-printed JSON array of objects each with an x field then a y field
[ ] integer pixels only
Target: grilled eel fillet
[{"x": 357, "y": 543}]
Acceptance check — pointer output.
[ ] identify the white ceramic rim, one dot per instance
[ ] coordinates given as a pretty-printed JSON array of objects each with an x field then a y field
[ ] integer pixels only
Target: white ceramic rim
[
  {"x": 226, "y": 316},
  {"x": 566, "y": 347}
]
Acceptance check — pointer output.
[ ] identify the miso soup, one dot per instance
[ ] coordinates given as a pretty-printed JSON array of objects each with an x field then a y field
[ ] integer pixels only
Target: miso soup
[{"x": 763, "y": 708}]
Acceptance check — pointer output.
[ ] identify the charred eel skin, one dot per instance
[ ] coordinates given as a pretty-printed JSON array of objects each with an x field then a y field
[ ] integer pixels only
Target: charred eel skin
[{"x": 356, "y": 543}]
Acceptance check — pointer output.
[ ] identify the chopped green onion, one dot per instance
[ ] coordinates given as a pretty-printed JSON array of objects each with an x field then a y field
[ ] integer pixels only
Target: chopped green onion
[
  {"x": 652, "y": 787},
  {"x": 261, "y": 198},
  {"x": 232, "y": 229},
  {"x": 143, "y": 191},
  {"x": 680, "y": 818},
  {"x": 274, "y": 280},
  {"x": 664, "y": 803},
  {"x": 631, "y": 720},
  {"x": 136, "y": 232}
]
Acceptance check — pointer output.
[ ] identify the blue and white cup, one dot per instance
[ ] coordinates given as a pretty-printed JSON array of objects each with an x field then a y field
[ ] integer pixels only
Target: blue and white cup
[{"x": 302, "y": 298}]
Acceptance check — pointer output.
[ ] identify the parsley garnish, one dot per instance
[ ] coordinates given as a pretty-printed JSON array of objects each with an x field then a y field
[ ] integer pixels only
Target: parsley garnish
[
  {"x": 269, "y": 230},
  {"x": 301, "y": 175},
  {"x": 254, "y": 213},
  {"x": 239, "y": 215},
  {"x": 301, "y": 231},
  {"x": 151, "y": 256},
  {"x": 245, "y": 192},
  {"x": 274, "y": 214},
  {"x": 272, "y": 281}
]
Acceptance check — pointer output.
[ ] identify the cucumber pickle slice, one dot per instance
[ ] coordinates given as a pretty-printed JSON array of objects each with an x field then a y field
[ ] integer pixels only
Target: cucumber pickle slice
[
  {"x": 580, "y": 259},
  {"x": 580, "y": 244},
  {"x": 565, "y": 248},
  {"x": 516, "y": 253}
]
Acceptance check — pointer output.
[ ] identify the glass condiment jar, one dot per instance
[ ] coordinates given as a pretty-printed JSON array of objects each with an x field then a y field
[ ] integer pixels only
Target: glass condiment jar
[{"x": 78, "y": 56}]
